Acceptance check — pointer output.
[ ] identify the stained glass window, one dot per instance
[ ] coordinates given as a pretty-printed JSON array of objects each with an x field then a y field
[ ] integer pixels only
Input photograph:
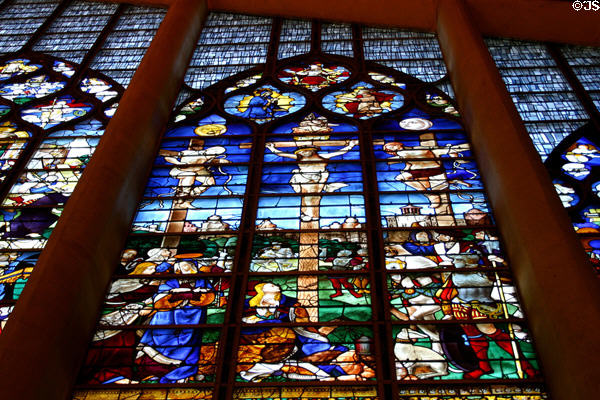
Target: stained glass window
[
  {"x": 542, "y": 95},
  {"x": 551, "y": 96},
  {"x": 572, "y": 164},
  {"x": 20, "y": 20},
  {"x": 573, "y": 168},
  {"x": 227, "y": 46},
  {"x": 585, "y": 62},
  {"x": 53, "y": 111},
  {"x": 313, "y": 227}
]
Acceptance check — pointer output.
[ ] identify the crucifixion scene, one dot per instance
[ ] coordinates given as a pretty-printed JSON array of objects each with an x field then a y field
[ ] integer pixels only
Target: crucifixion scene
[
  {"x": 196, "y": 187},
  {"x": 198, "y": 181},
  {"x": 310, "y": 173},
  {"x": 311, "y": 176},
  {"x": 287, "y": 204},
  {"x": 422, "y": 168}
]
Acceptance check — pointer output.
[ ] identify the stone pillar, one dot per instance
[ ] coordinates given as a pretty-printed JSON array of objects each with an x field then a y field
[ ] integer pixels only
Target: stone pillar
[
  {"x": 47, "y": 335},
  {"x": 559, "y": 290},
  {"x": 538, "y": 20}
]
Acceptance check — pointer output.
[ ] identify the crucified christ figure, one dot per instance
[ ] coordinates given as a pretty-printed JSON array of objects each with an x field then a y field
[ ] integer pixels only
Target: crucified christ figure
[
  {"x": 310, "y": 178},
  {"x": 311, "y": 175}
]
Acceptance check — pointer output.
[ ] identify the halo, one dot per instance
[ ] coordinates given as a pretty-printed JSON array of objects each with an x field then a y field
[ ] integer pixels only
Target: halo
[
  {"x": 210, "y": 130},
  {"x": 315, "y": 148}
]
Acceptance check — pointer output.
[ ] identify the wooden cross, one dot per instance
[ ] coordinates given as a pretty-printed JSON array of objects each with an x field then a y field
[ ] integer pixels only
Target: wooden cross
[
  {"x": 308, "y": 285},
  {"x": 440, "y": 202},
  {"x": 180, "y": 207}
]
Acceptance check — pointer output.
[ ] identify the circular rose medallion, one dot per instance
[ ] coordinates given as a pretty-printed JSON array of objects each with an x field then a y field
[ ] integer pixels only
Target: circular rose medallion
[
  {"x": 363, "y": 101},
  {"x": 264, "y": 104}
]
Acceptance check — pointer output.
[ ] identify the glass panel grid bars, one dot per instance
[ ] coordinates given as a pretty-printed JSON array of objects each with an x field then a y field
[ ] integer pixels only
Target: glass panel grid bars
[
  {"x": 572, "y": 165},
  {"x": 556, "y": 121},
  {"x": 544, "y": 99},
  {"x": 305, "y": 237},
  {"x": 337, "y": 39},
  {"x": 20, "y": 20},
  {"x": 74, "y": 32},
  {"x": 295, "y": 38},
  {"x": 52, "y": 116},
  {"x": 124, "y": 48},
  {"x": 414, "y": 53},
  {"x": 228, "y": 46},
  {"x": 585, "y": 63}
]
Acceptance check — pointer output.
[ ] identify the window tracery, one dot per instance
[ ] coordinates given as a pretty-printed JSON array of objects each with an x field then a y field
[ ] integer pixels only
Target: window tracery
[
  {"x": 573, "y": 168},
  {"x": 53, "y": 111},
  {"x": 304, "y": 235},
  {"x": 555, "y": 91}
]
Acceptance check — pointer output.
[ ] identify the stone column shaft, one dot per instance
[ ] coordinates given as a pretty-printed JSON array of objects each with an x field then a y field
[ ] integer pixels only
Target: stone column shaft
[
  {"x": 47, "y": 335},
  {"x": 559, "y": 290}
]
